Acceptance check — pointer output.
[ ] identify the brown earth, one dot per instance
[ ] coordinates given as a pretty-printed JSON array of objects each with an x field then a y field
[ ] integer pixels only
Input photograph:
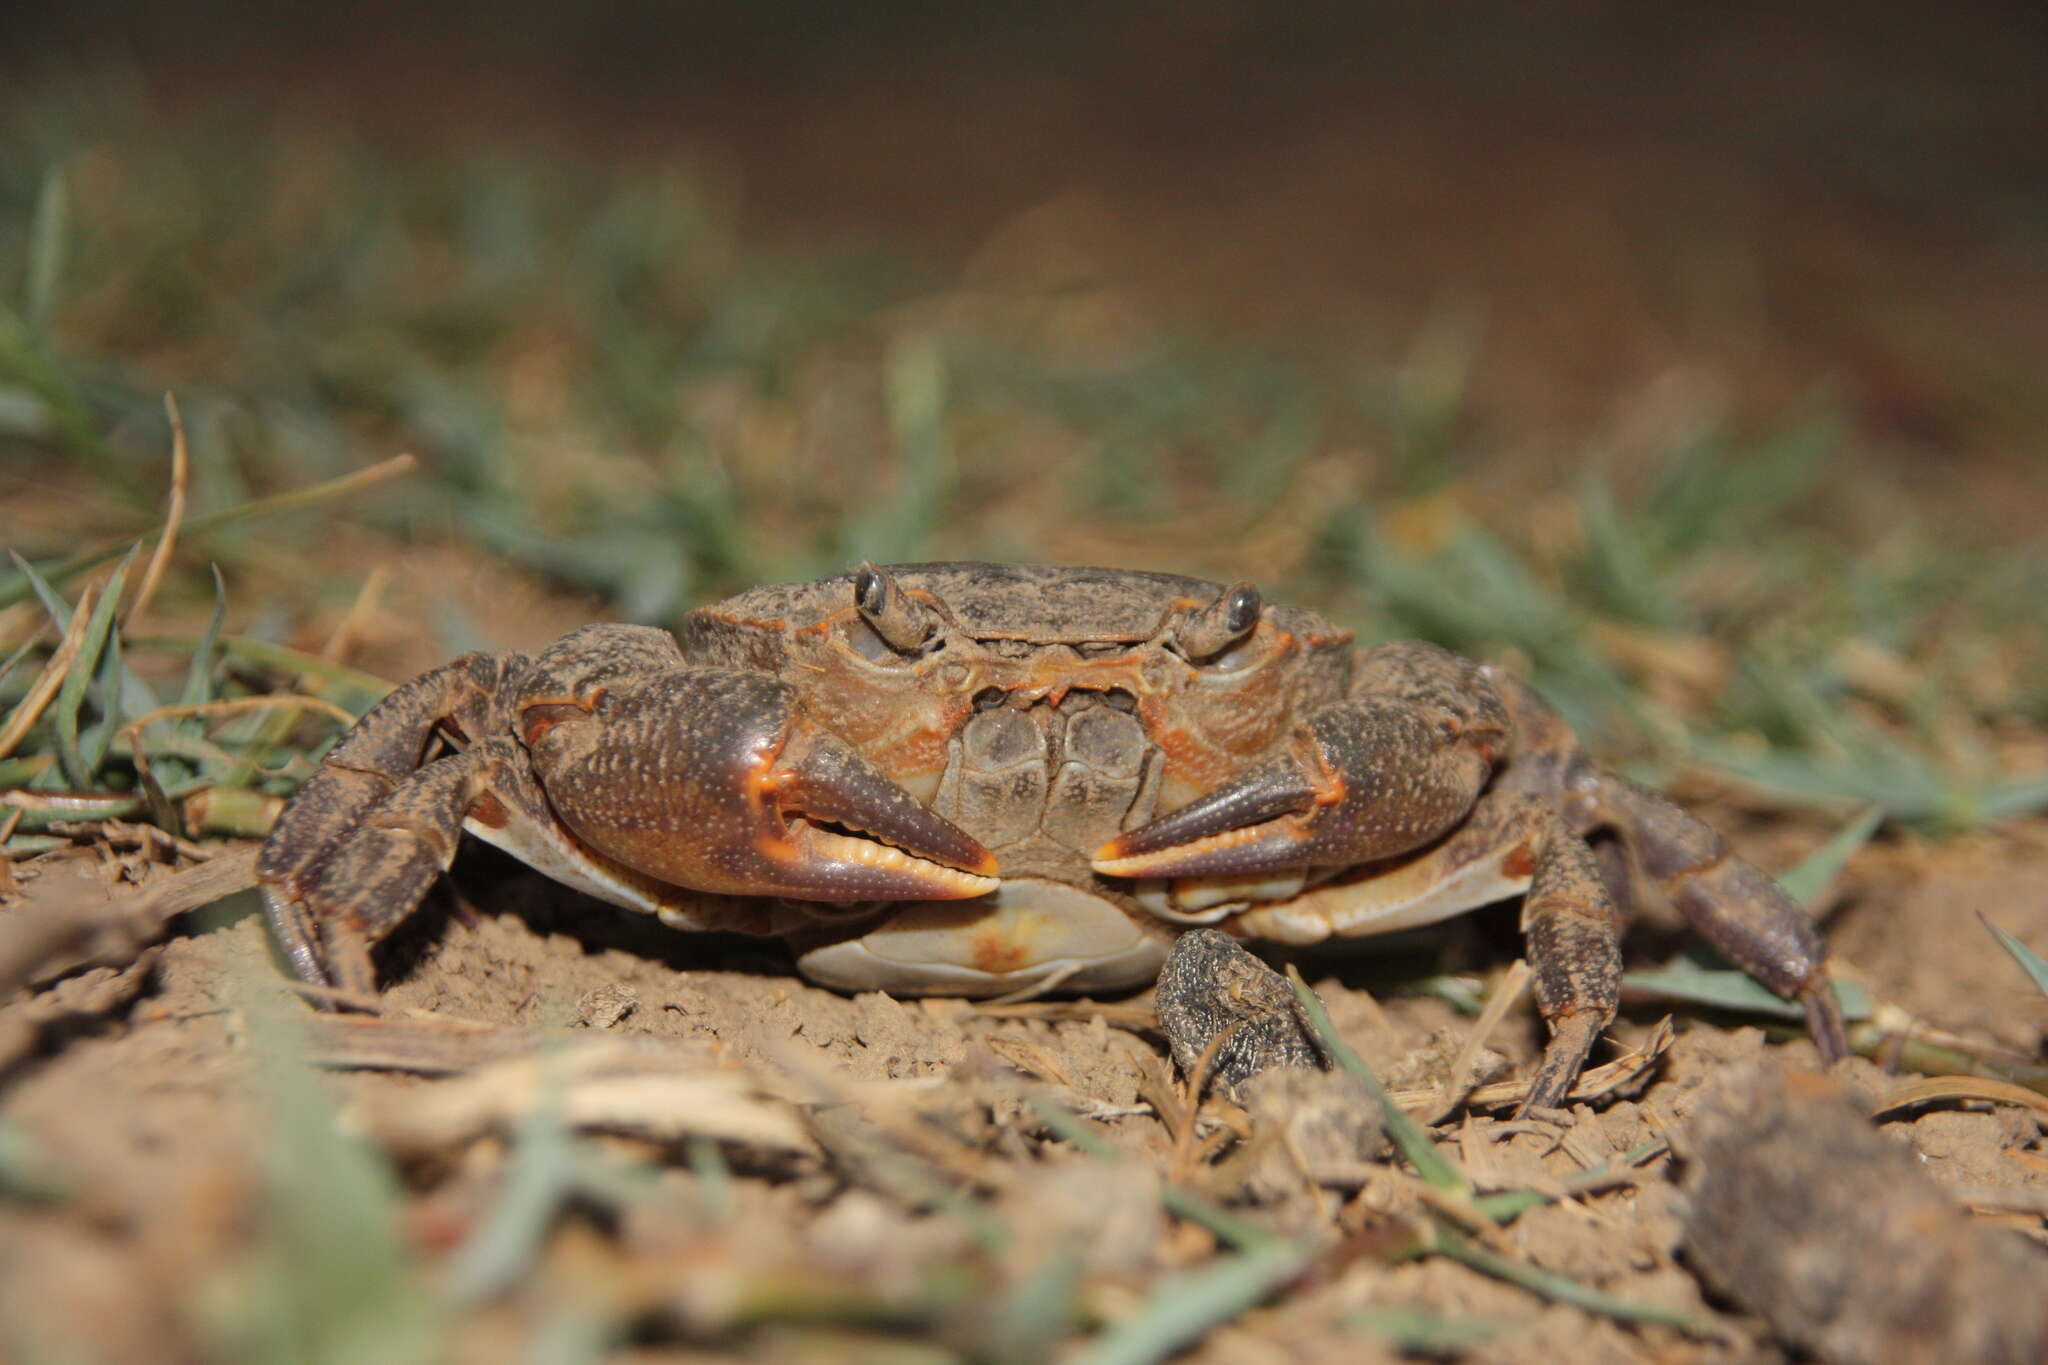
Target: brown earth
[{"x": 136, "y": 1087}]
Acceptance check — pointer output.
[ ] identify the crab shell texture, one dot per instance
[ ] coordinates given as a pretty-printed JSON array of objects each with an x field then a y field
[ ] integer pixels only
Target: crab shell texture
[
  {"x": 1049, "y": 711},
  {"x": 975, "y": 779}
]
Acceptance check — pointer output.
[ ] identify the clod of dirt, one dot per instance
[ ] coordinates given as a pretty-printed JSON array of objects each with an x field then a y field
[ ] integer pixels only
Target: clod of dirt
[
  {"x": 1210, "y": 986},
  {"x": 1803, "y": 1214},
  {"x": 1316, "y": 1126},
  {"x": 604, "y": 1006}
]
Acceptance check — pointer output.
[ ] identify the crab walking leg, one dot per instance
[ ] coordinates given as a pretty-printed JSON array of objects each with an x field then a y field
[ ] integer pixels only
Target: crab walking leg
[
  {"x": 372, "y": 760},
  {"x": 1730, "y": 903},
  {"x": 1389, "y": 768},
  {"x": 1574, "y": 937},
  {"x": 404, "y": 841},
  {"x": 1514, "y": 843}
]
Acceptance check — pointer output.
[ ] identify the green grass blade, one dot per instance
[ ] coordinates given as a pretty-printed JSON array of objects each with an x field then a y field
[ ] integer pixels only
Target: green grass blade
[
  {"x": 199, "y": 673},
  {"x": 542, "y": 1175},
  {"x": 1183, "y": 1307},
  {"x": 1818, "y": 869},
  {"x": 2030, "y": 961},
  {"x": 337, "y": 1281},
  {"x": 1408, "y": 1135},
  {"x": 46, "y": 249},
  {"x": 71, "y": 696},
  {"x": 1416, "y": 1331},
  {"x": 53, "y": 603},
  {"x": 1735, "y": 991},
  {"x": 2019, "y": 796},
  {"x": 1560, "y": 1289},
  {"x": 106, "y": 695}
]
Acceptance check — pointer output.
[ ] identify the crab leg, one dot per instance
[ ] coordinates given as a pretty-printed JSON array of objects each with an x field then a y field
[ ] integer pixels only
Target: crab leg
[
  {"x": 1514, "y": 843},
  {"x": 1730, "y": 903},
  {"x": 1574, "y": 937},
  {"x": 372, "y": 760},
  {"x": 1386, "y": 770},
  {"x": 379, "y": 872}
]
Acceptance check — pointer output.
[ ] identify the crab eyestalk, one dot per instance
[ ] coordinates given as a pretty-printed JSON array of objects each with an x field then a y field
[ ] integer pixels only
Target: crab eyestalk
[
  {"x": 1208, "y": 631},
  {"x": 713, "y": 780},
  {"x": 903, "y": 622}
]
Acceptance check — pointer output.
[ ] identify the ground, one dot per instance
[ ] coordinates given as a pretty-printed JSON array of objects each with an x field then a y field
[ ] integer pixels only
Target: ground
[
  {"x": 139, "y": 1093},
  {"x": 1504, "y": 329}
]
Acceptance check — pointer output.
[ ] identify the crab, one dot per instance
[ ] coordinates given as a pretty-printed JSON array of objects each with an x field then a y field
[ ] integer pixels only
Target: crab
[{"x": 981, "y": 779}]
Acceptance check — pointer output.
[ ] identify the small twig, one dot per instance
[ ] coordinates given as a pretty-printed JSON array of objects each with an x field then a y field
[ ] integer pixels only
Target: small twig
[
  {"x": 30, "y": 709},
  {"x": 2004, "y": 1199},
  {"x": 1198, "y": 1081},
  {"x": 160, "y": 558},
  {"x": 1592, "y": 1084},
  {"x": 1458, "y": 1083}
]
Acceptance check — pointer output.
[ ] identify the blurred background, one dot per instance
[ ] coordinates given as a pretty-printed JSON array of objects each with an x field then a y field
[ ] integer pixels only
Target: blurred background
[{"x": 1690, "y": 358}]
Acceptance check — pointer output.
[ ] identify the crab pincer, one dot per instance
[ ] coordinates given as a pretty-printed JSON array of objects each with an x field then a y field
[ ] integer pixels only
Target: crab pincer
[
  {"x": 712, "y": 779},
  {"x": 1361, "y": 779}
]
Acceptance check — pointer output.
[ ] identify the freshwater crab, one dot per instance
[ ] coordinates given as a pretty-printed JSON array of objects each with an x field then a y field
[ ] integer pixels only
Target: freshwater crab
[{"x": 969, "y": 779}]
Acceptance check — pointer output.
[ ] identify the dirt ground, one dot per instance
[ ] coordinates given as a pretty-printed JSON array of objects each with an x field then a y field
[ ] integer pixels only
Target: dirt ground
[
  {"x": 134, "y": 1083},
  {"x": 1688, "y": 228}
]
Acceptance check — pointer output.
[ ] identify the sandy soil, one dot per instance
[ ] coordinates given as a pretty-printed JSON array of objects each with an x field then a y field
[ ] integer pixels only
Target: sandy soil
[{"x": 134, "y": 1084}]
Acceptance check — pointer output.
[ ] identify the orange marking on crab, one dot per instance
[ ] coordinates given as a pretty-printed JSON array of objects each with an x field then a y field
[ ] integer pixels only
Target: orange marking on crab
[
  {"x": 1188, "y": 758},
  {"x": 489, "y": 810},
  {"x": 997, "y": 952},
  {"x": 542, "y": 714},
  {"x": 1520, "y": 862}
]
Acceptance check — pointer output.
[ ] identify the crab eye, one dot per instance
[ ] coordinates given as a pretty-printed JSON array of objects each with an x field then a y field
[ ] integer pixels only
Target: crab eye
[
  {"x": 898, "y": 621},
  {"x": 1212, "y": 634}
]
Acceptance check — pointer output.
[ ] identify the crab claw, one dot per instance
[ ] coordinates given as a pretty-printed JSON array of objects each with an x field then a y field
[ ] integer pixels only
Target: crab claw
[
  {"x": 712, "y": 779},
  {"x": 1361, "y": 780}
]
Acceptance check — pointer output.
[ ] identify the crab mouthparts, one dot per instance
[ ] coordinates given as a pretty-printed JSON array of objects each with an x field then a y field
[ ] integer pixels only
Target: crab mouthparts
[{"x": 870, "y": 859}]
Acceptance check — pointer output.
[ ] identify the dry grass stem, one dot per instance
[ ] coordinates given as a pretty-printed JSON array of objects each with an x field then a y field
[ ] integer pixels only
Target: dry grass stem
[
  {"x": 1936, "y": 1088},
  {"x": 1591, "y": 1085},
  {"x": 1184, "y": 1135},
  {"x": 1458, "y": 1083},
  {"x": 30, "y": 709},
  {"x": 664, "y": 1093},
  {"x": 160, "y": 558},
  {"x": 359, "y": 613}
]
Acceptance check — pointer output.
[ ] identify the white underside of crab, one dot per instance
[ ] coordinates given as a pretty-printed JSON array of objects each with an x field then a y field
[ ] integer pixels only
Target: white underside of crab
[{"x": 1033, "y": 933}]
